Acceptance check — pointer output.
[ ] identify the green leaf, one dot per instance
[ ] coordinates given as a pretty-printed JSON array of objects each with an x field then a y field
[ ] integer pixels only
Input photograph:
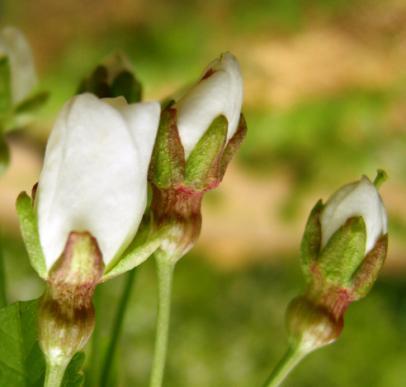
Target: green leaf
[
  {"x": 21, "y": 360},
  {"x": 22, "y": 363},
  {"x": 5, "y": 86},
  {"x": 202, "y": 167},
  {"x": 29, "y": 230},
  {"x": 74, "y": 376}
]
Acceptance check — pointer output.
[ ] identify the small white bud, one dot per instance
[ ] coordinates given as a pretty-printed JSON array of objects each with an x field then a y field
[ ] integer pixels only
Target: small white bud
[
  {"x": 360, "y": 198},
  {"x": 219, "y": 92}
]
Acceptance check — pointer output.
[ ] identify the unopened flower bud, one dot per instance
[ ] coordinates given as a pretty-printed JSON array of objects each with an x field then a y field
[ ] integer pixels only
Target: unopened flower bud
[
  {"x": 95, "y": 174},
  {"x": 343, "y": 249},
  {"x": 113, "y": 78},
  {"x": 197, "y": 137}
]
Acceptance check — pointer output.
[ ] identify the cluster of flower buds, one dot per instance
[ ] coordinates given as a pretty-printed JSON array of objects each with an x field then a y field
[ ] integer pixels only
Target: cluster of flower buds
[
  {"x": 343, "y": 249},
  {"x": 197, "y": 137},
  {"x": 83, "y": 222}
]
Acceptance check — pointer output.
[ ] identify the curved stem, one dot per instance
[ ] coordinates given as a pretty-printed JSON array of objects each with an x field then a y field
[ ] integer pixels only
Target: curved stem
[
  {"x": 117, "y": 328},
  {"x": 289, "y": 361},
  {"x": 54, "y": 374},
  {"x": 165, "y": 273}
]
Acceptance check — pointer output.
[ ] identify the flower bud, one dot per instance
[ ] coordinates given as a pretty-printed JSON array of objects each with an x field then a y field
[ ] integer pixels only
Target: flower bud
[
  {"x": 343, "y": 249},
  {"x": 15, "y": 47},
  {"x": 94, "y": 176},
  {"x": 113, "y": 78},
  {"x": 66, "y": 314},
  {"x": 219, "y": 92},
  {"x": 197, "y": 137}
]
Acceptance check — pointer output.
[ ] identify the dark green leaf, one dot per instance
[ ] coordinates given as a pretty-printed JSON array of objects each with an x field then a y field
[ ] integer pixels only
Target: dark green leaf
[
  {"x": 21, "y": 360},
  {"x": 73, "y": 375}
]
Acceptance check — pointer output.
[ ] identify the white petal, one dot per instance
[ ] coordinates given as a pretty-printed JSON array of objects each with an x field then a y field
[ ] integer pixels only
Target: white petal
[
  {"x": 219, "y": 92},
  {"x": 23, "y": 76},
  {"x": 93, "y": 179},
  {"x": 143, "y": 120},
  {"x": 356, "y": 199}
]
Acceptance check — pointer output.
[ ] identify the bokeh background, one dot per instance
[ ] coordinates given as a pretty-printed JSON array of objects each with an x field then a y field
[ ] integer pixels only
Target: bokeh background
[{"x": 325, "y": 101}]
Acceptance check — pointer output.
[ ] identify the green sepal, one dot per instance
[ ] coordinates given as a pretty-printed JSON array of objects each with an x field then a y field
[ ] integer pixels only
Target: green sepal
[
  {"x": 6, "y": 101},
  {"x": 344, "y": 252},
  {"x": 367, "y": 273},
  {"x": 126, "y": 85},
  {"x": 29, "y": 230},
  {"x": 202, "y": 166},
  {"x": 311, "y": 241},
  {"x": 4, "y": 155},
  {"x": 167, "y": 166},
  {"x": 233, "y": 145},
  {"x": 140, "y": 249}
]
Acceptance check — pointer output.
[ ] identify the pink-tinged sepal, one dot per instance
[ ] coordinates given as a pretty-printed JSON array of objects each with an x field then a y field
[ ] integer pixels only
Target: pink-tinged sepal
[
  {"x": 311, "y": 241},
  {"x": 366, "y": 275},
  {"x": 233, "y": 145},
  {"x": 66, "y": 314},
  {"x": 167, "y": 168}
]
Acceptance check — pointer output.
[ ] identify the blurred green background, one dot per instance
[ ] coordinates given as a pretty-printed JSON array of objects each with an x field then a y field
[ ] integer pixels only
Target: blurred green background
[{"x": 325, "y": 101}]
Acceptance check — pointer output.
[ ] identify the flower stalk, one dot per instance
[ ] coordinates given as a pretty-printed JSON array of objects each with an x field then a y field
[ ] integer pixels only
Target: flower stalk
[
  {"x": 289, "y": 361},
  {"x": 165, "y": 268}
]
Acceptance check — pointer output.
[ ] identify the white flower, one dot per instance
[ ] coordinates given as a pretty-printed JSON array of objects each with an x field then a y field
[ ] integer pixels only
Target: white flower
[
  {"x": 360, "y": 198},
  {"x": 23, "y": 76},
  {"x": 219, "y": 92},
  {"x": 95, "y": 173}
]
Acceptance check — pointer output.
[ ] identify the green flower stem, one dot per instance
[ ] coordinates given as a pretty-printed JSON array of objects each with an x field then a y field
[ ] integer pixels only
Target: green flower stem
[
  {"x": 54, "y": 374},
  {"x": 92, "y": 370},
  {"x": 116, "y": 330},
  {"x": 165, "y": 268},
  {"x": 288, "y": 362}
]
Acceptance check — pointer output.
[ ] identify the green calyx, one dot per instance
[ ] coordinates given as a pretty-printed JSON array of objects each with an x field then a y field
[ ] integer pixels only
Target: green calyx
[
  {"x": 66, "y": 315},
  {"x": 203, "y": 164},
  {"x": 167, "y": 168},
  {"x": 311, "y": 241},
  {"x": 340, "y": 272},
  {"x": 344, "y": 252},
  {"x": 207, "y": 163},
  {"x": 80, "y": 266}
]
